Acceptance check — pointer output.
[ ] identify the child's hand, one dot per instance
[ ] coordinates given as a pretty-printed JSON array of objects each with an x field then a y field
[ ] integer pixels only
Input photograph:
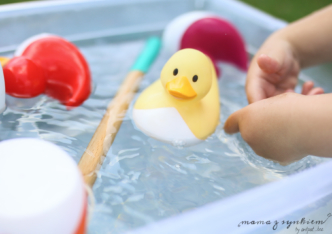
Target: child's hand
[
  {"x": 274, "y": 70},
  {"x": 290, "y": 126},
  {"x": 287, "y": 127},
  {"x": 271, "y": 128}
]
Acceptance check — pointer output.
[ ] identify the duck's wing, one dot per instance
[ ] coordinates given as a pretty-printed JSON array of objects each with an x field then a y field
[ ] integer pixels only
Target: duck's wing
[
  {"x": 153, "y": 97},
  {"x": 203, "y": 117}
]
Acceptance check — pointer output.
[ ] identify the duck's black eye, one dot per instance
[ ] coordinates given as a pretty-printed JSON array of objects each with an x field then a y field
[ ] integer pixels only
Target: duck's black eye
[
  {"x": 195, "y": 78},
  {"x": 175, "y": 72}
]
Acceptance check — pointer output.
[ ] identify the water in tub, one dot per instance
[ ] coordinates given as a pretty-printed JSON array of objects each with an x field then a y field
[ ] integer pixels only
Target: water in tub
[{"x": 144, "y": 180}]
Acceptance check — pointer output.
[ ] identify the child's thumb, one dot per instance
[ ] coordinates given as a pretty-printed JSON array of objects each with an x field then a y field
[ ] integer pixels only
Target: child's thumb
[
  {"x": 232, "y": 123},
  {"x": 270, "y": 63}
]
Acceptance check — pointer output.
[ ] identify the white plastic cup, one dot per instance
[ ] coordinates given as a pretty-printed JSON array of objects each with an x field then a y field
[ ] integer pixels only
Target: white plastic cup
[{"x": 41, "y": 189}]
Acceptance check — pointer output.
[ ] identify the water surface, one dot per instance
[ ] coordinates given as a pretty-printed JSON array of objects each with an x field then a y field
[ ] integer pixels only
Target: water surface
[{"x": 144, "y": 180}]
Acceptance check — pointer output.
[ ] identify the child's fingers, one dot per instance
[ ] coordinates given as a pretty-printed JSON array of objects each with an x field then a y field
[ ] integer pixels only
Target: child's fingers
[
  {"x": 307, "y": 87},
  {"x": 254, "y": 90},
  {"x": 263, "y": 75},
  {"x": 232, "y": 123},
  {"x": 268, "y": 64},
  {"x": 316, "y": 91},
  {"x": 290, "y": 91},
  {"x": 255, "y": 84}
]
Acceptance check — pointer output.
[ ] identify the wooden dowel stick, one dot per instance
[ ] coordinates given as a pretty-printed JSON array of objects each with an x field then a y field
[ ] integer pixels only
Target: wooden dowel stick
[
  {"x": 101, "y": 141},
  {"x": 103, "y": 138}
]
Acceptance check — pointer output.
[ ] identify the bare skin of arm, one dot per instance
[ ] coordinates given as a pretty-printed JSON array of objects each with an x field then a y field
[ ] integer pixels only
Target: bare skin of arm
[{"x": 289, "y": 126}]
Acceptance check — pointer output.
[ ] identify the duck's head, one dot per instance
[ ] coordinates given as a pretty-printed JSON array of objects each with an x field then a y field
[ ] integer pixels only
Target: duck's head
[{"x": 187, "y": 75}]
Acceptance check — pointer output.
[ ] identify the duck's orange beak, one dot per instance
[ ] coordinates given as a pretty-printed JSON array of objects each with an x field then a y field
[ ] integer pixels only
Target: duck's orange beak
[
  {"x": 181, "y": 88},
  {"x": 4, "y": 61}
]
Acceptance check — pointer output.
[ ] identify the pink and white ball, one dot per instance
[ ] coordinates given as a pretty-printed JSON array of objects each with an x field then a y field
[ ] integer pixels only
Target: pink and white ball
[{"x": 208, "y": 33}]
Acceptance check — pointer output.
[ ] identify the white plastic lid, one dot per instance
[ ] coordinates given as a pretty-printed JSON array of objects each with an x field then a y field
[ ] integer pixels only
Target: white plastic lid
[
  {"x": 41, "y": 188},
  {"x": 174, "y": 31}
]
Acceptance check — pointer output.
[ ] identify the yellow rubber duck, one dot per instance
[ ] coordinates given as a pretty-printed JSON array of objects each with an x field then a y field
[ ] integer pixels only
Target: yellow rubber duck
[{"x": 182, "y": 107}]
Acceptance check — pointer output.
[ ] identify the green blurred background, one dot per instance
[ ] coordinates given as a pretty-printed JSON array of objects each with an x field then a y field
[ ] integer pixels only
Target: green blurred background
[{"x": 288, "y": 10}]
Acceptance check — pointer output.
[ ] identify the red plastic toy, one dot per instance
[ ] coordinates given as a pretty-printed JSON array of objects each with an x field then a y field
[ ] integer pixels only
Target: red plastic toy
[
  {"x": 48, "y": 64},
  {"x": 210, "y": 34}
]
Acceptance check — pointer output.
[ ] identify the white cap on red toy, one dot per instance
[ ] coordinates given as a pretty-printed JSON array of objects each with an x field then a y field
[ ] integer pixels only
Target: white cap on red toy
[
  {"x": 175, "y": 29},
  {"x": 2, "y": 91},
  {"x": 41, "y": 189}
]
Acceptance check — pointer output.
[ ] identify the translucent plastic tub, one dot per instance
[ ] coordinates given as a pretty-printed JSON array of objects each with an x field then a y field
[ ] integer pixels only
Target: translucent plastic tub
[{"x": 144, "y": 184}]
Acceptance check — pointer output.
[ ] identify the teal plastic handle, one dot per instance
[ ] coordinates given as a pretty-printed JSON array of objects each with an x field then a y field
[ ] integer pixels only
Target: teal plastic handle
[{"x": 148, "y": 55}]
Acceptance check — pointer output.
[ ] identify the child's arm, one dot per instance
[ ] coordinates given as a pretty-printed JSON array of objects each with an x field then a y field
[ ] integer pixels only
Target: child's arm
[
  {"x": 275, "y": 67},
  {"x": 287, "y": 127}
]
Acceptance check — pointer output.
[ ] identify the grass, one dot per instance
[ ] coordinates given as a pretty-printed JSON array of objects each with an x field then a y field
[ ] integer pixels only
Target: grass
[
  {"x": 13, "y": 1},
  {"x": 289, "y": 10}
]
